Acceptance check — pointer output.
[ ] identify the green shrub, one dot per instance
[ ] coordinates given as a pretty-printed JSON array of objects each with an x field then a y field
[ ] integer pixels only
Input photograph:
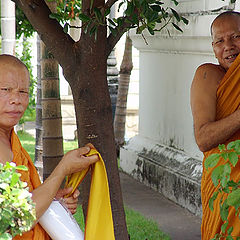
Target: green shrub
[{"x": 17, "y": 210}]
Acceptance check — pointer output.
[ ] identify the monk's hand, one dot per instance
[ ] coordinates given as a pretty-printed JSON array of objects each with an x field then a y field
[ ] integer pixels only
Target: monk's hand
[
  {"x": 76, "y": 160},
  {"x": 70, "y": 202}
]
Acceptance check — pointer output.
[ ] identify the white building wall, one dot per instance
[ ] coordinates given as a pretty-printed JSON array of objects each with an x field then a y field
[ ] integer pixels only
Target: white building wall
[{"x": 164, "y": 155}]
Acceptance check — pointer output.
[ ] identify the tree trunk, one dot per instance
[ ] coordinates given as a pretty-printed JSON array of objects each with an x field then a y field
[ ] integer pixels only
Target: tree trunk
[
  {"x": 94, "y": 118},
  {"x": 8, "y": 27},
  {"x": 51, "y": 113},
  {"x": 39, "y": 131},
  {"x": 51, "y": 109},
  {"x": 121, "y": 108}
]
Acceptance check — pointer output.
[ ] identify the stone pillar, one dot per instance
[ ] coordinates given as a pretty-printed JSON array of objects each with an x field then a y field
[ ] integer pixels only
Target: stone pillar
[{"x": 8, "y": 27}]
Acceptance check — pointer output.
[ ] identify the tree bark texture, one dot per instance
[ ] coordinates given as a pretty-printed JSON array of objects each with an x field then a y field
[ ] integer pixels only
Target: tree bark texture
[
  {"x": 123, "y": 86},
  {"x": 39, "y": 131},
  {"x": 84, "y": 66},
  {"x": 51, "y": 112}
]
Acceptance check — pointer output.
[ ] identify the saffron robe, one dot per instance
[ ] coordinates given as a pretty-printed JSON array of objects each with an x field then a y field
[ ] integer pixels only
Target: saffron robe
[
  {"x": 21, "y": 157},
  {"x": 99, "y": 222},
  {"x": 228, "y": 101}
]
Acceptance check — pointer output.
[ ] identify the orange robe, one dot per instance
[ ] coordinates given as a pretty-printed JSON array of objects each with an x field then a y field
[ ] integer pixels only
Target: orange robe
[
  {"x": 228, "y": 101},
  {"x": 21, "y": 157}
]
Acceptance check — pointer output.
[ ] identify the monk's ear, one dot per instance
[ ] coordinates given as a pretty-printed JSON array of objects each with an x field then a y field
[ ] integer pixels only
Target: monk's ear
[{"x": 213, "y": 49}]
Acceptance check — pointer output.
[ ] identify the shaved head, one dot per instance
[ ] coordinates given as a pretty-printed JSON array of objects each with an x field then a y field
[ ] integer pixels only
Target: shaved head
[
  {"x": 10, "y": 59},
  {"x": 7, "y": 60},
  {"x": 224, "y": 15}
]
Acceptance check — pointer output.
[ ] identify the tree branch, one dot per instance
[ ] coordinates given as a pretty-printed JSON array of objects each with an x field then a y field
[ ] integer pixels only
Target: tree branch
[
  {"x": 38, "y": 13},
  {"x": 112, "y": 40}
]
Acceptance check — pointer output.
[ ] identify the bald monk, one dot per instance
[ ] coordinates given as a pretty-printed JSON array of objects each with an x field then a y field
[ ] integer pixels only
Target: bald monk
[
  {"x": 215, "y": 103},
  {"x": 14, "y": 88}
]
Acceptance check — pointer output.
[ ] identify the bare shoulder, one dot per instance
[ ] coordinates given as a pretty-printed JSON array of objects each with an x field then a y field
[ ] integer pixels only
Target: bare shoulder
[{"x": 209, "y": 73}]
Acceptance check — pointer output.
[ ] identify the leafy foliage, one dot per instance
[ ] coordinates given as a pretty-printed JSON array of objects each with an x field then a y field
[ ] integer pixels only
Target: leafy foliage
[
  {"x": 140, "y": 14},
  {"x": 221, "y": 178},
  {"x": 17, "y": 210},
  {"x": 23, "y": 26}
]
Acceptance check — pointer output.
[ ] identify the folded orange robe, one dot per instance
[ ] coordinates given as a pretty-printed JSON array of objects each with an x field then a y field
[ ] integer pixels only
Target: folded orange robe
[
  {"x": 228, "y": 101},
  {"x": 99, "y": 222},
  {"x": 21, "y": 157}
]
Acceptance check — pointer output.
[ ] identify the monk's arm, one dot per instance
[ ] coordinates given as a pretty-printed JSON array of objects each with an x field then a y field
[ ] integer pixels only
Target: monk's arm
[
  {"x": 73, "y": 161},
  {"x": 209, "y": 133}
]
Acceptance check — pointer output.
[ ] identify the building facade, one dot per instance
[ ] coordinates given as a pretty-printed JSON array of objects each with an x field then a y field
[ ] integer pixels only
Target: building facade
[{"x": 163, "y": 154}]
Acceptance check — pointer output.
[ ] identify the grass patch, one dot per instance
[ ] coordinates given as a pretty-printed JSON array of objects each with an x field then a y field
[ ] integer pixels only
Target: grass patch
[
  {"x": 28, "y": 142},
  {"x": 139, "y": 227},
  {"x": 142, "y": 228}
]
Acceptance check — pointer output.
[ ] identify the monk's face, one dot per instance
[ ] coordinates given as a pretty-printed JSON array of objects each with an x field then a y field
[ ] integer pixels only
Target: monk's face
[
  {"x": 14, "y": 86},
  {"x": 226, "y": 39}
]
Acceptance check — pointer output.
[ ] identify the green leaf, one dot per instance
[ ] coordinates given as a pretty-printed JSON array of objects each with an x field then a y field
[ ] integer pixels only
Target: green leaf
[
  {"x": 15, "y": 178},
  {"x": 212, "y": 160},
  {"x": 113, "y": 31},
  {"x": 112, "y": 22},
  {"x": 91, "y": 4},
  {"x": 212, "y": 199},
  {"x": 229, "y": 231},
  {"x": 224, "y": 210},
  {"x": 65, "y": 28},
  {"x": 233, "y": 158},
  {"x": 119, "y": 6},
  {"x": 224, "y": 155},
  {"x": 217, "y": 175},
  {"x": 107, "y": 11},
  {"x": 231, "y": 145},
  {"x": 92, "y": 30},
  {"x": 156, "y": 8},
  {"x": 232, "y": 184},
  {"x": 175, "y": 14},
  {"x": 130, "y": 8},
  {"x": 221, "y": 147},
  {"x": 140, "y": 29},
  {"x": 229, "y": 238},
  {"x": 185, "y": 20},
  {"x": 175, "y": 2},
  {"x": 177, "y": 27},
  {"x": 83, "y": 17},
  {"x": 6, "y": 236},
  {"x": 98, "y": 14},
  {"x": 233, "y": 198},
  {"x": 224, "y": 226},
  {"x": 150, "y": 30},
  {"x": 21, "y": 167}
]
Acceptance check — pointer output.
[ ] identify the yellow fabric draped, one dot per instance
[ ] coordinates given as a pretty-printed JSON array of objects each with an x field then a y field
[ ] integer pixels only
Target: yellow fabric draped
[
  {"x": 228, "y": 101},
  {"x": 99, "y": 222},
  {"x": 31, "y": 177}
]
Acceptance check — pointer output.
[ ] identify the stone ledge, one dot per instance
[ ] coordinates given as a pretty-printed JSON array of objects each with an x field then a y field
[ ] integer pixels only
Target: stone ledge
[{"x": 167, "y": 170}]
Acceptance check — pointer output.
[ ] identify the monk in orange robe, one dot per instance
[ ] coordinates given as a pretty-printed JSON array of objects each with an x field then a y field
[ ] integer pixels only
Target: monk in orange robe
[
  {"x": 14, "y": 88},
  {"x": 215, "y": 102}
]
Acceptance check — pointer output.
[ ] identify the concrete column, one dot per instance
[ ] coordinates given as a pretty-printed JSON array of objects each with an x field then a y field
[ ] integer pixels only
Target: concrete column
[{"x": 8, "y": 26}]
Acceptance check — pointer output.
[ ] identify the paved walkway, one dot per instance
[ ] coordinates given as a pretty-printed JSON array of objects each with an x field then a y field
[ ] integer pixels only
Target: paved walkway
[{"x": 178, "y": 222}]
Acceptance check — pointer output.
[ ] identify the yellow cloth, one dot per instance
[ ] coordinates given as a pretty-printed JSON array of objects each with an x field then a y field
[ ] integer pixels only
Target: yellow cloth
[
  {"x": 21, "y": 157},
  {"x": 99, "y": 222},
  {"x": 228, "y": 101}
]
